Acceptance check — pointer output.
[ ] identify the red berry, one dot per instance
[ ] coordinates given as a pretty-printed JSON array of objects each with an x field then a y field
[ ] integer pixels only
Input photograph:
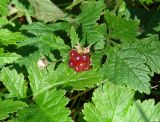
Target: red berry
[
  {"x": 73, "y": 54},
  {"x": 71, "y": 64},
  {"x": 86, "y": 57},
  {"x": 79, "y": 60}
]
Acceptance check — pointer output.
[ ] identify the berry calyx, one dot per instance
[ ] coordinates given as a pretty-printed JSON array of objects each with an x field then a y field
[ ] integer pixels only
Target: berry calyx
[{"x": 80, "y": 59}]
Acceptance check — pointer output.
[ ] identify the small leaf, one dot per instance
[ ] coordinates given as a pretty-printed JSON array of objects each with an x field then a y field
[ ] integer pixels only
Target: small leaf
[
  {"x": 6, "y": 58},
  {"x": 46, "y": 11},
  {"x": 88, "y": 19},
  {"x": 10, "y": 106},
  {"x": 7, "y": 37},
  {"x": 14, "y": 82},
  {"x": 120, "y": 28},
  {"x": 83, "y": 80},
  {"x": 50, "y": 107},
  {"x": 150, "y": 47},
  {"x": 4, "y": 7},
  {"x": 74, "y": 37},
  {"x": 39, "y": 28}
]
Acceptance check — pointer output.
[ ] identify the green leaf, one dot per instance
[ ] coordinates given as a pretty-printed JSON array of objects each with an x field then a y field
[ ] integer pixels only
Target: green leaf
[
  {"x": 10, "y": 106},
  {"x": 14, "y": 82},
  {"x": 4, "y": 7},
  {"x": 39, "y": 28},
  {"x": 50, "y": 108},
  {"x": 74, "y": 37},
  {"x": 120, "y": 28},
  {"x": 91, "y": 12},
  {"x": 46, "y": 11},
  {"x": 7, "y": 37},
  {"x": 150, "y": 47},
  {"x": 143, "y": 112},
  {"x": 3, "y": 21},
  {"x": 37, "y": 78},
  {"x": 48, "y": 39},
  {"x": 109, "y": 104},
  {"x": 127, "y": 66},
  {"x": 83, "y": 80},
  {"x": 6, "y": 58}
]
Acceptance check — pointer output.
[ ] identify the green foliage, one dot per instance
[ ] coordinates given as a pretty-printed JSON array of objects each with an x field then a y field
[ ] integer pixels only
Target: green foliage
[
  {"x": 6, "y": 58},
  {"x": 88, "y": 20},
  {"x": 38, "y": 28},
  {"x": 121, "y": 28},
  {"x": 14, "y": 82},
  {"x": 10, "y": 106},
  {"x": 114, "y": 103},
  {"x": 49, "y": 107},
  {"x": 46, "y": 11},
  {"x": 3, "y": 7},
  {"x": 7, "y": 37},
  {"x": 122, "y": 82}
]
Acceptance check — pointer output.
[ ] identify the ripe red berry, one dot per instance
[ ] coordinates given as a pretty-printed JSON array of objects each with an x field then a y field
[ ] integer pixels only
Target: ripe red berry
[
  {"x": 86, "y": 57},
  {"x": 79, "y": 59},
  {"x": 71, "y": 64},
  {"x": 73, "y": 53}
]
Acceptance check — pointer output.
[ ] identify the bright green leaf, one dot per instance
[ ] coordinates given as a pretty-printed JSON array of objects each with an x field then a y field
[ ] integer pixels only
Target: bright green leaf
[
  {"x": 14, "y": 82},
  {"x": 4, "y": 7},
  {"x": 7, "y": 37},
  {"x": 6, "y": 58},
  {"x": 74, "y": 37},
  {"x": 10, "y": 106},
  {"x": 110, "y": 103},
  {"x": 143, "y": 112},
  {"x": 50, "y": 108}
]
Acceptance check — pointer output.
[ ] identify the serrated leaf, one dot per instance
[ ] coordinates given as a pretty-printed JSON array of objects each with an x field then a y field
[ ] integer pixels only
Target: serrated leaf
[
  {"x": 91, "y": 12},
  {"x": 74, "y": 37},
  {"x": 6, "y": 58},
  {"x": 46, "y": 11},
  {"x": 120, "y": 28},
  {"x": 110, "y": 103},
  {"x": 10, "y": 106},
  {"x": 4, "y": 7},
  {"x": 50, "y": 107},
  {"x": 3, "y": 21},
  {"x": 14, "y": 82},
  {"x": 7, "y": 37},
  {"x": 39, "y": 28},
  {"x": 127, "y": 66},
  {"x": 37, "y": 77},
  {"x": 48, "y": 39},
  {"x": 83, "y": 80},
  {"x": 143, "y": 111},
  {"x": 150, "y": 47}
]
